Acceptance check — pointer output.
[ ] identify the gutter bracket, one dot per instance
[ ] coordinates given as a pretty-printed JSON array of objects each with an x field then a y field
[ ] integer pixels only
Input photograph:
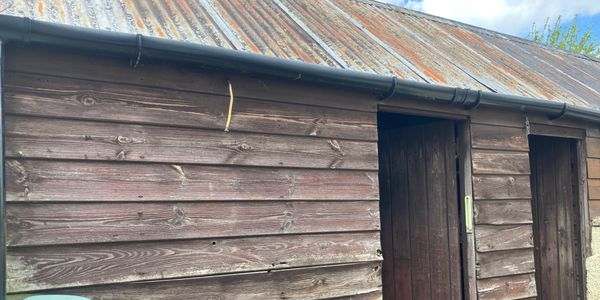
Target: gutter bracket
[
  {"x": 560, "y": 115},
  {"x": 135, "y": 61},
  {"x": 391, "y": 91},
  {"x": 476, "y": 103},
  {"x": 460, "y": 96},
  {"x": 27, "y": 24}
]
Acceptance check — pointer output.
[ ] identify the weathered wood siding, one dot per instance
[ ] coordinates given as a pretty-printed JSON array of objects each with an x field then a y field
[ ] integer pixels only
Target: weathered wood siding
[
  {"x": 121, "y": 183},
  {"x": 502, "y": 206}
]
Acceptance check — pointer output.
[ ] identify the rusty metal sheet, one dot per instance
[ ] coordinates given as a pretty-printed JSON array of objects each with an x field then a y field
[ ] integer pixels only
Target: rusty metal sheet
[
  {"x": 267, "y": 29},
  {"x": 174, "y": 19},
  {"x": 427, "y": 59},
  {"x": 532, "y": 57},
  {"x": 361, "y": 35},
  {"x": 543, "y": 87},
  {"x": 354, "y": 46},
  {"x": 471, "y": 62}
]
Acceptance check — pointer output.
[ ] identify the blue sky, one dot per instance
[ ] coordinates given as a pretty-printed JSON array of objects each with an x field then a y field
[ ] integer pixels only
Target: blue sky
[{"x": 510, "y": 16}]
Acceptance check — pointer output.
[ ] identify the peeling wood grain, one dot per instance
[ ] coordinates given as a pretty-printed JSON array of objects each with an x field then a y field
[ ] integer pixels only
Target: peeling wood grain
[
  {"x": 38, "y": 268},
  {"x": 504, "y": 263},
  {"x": 33, "y": 137},
  {"x": 500, "y": 162},
  {"x": 511, "y": 287},
  {"x": 499, "y": 212},
  {"x": 501, "y": 138},
  {"x": 501, "y": 187},
  {"x": 100, "y": 181},
  {"x": 503, "y": 237},
  {"x": 296, "y": 283},
  {"x": 72, "y": 98},
  {"x": 71, "y": 223},
  {"x": 179, "y": 76}
]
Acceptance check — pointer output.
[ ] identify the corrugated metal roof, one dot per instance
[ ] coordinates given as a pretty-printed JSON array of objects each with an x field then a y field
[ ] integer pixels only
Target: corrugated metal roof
[{"x": 360, "y": 35}]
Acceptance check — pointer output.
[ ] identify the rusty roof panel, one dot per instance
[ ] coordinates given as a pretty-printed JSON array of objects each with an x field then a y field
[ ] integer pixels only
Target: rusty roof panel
[
  {"x": 430, "y": 62},
  {"x": 543, "y": 87},
  {"x": 354, "y": 46},
  {"x": 266, "y": 29},
  {"x": 478, "y": 66},
  {"x": 361, "y": 35},
  {"x": 532, "y": 58}
]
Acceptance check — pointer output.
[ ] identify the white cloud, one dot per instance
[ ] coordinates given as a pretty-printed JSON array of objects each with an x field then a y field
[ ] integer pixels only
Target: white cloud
[{"x": 508, "y": 16}]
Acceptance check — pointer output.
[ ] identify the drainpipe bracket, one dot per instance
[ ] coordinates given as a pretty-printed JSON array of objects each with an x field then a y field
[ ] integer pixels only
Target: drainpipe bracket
[
  {"x": 135, "y": 60},
  {"x": 561, "y": 114},
  {"x": 391, "y": 91},
  {"x": 475, "y": 104}
]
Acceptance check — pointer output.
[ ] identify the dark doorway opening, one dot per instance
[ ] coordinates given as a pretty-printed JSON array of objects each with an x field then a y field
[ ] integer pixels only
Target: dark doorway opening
[
  {"x": 420, "y": 210},
  {"x": 556, "y": 222}
]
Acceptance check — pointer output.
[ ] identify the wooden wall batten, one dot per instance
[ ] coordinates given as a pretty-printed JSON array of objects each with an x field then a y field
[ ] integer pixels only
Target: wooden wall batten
[{"x": 122, "y": 184}]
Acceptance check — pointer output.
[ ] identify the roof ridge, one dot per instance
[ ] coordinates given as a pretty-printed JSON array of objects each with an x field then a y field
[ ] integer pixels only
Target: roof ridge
[{"x": 475, "y": 28}]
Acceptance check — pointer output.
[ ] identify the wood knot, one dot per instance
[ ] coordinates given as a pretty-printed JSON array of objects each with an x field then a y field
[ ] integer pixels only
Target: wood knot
[
  {"x": 122, "y": 140},
  {"x": 245, "y": 147},
  {"x": 335, "y": 145},
  {"x": 121, "y": 155},
  {"x": 511, "y": 180},
  {"x": 88, "y": 100}
]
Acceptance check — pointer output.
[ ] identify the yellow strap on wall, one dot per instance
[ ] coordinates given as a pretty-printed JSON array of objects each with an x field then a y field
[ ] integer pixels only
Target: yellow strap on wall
[{"x": 230, "y": 111}]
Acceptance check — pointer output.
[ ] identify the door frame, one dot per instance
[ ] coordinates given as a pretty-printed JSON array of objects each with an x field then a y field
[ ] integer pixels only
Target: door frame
[
  {"x": 579, "y": 135},
  {"x": 464, "y": 183}
]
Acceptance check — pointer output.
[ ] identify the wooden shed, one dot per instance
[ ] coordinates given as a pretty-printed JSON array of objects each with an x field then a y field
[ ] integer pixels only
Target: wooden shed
[{"x": 337, "y": 149}]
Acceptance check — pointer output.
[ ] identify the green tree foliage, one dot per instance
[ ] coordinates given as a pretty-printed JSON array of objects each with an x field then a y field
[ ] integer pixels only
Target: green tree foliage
[{"x": 570, "y": 38}]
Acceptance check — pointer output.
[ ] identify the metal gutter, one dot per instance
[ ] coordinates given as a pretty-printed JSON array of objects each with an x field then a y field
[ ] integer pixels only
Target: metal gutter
[{"x": 24, "y": 30}]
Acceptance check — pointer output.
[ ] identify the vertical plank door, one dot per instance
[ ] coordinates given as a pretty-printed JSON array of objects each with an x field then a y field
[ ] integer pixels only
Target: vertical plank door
[
  {"x": 420, "y": 231},
  {"x": 555, "y": 214}
]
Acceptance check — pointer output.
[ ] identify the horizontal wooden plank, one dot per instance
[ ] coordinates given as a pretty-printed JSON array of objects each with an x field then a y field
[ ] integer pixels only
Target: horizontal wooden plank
[
  {"x": 594, "y": 189},
  {"x": 501, "y": 187},
  {"x": 497, "y": 137},
  {"x": 499, "y": 212},
  {"x": 509, "y": 287},
  {"x": 91, "y": 181},
  {"x": 558, "y": 131},
  {"x": 504, "y": 263},
  {"x": 72, "y": 98},
  {"x": 593, "y": 147},
  {"x": 33, "y": 137},
  {"x": 300, "y": 283},
  {"x": 499, "y": 162},
  {"x": 498, "y": 117},
  {"x": 70, "y": 223},
  {"x": 593, "y": 168},
  {"x": 36, "y": 268},
  {"x": 503, "y": 237},
  {"x": 179, "y": 76}
]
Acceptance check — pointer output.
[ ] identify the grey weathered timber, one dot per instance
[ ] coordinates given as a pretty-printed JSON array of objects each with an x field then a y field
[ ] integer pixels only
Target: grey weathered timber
[
  {"x": 30, "y": 137},
  {"x": 94, "y": 181},
  {"x": 351, "y": 280},
  {"x": 515, "y": 287},
  {"x": 53, "y": 223},
  {"x": 54, "y": 96},
  {"x": 35, "y": 268}
]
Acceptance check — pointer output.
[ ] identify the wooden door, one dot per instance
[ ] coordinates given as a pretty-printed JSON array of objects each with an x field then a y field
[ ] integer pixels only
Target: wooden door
[
  {"x": 420, "y": 231},
  {"x": 554, "y": 183}
]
